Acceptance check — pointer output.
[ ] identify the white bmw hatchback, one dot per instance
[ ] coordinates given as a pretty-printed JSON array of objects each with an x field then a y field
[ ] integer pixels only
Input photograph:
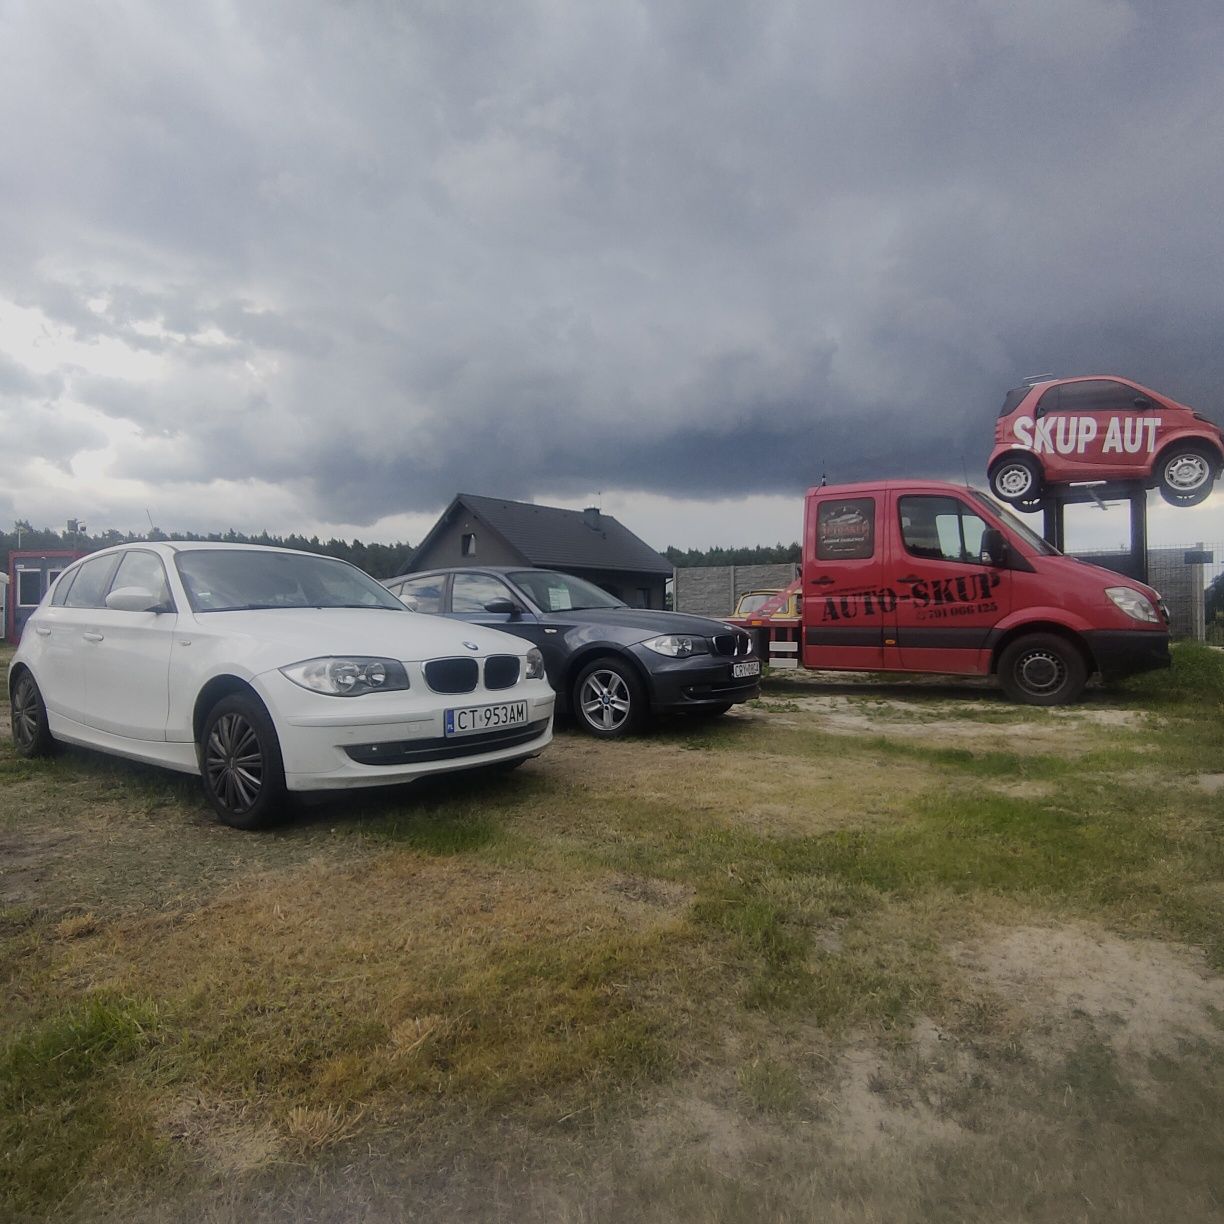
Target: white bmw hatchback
[{"x": 266, "y": 670}]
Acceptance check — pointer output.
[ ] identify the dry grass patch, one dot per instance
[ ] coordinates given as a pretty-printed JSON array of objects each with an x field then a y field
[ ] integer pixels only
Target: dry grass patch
[{"x": 750, "y": 788}]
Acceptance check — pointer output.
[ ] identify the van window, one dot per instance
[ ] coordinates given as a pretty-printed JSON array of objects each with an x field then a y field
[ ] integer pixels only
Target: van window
[
  {"x": 845, "y": 530},
  {"x": 941, "y": 529}
]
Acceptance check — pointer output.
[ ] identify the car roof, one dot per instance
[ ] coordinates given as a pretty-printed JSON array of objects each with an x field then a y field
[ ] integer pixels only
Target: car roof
[
  {"x": 499, "y": 570},
  {"x": 168, "y": 548}
]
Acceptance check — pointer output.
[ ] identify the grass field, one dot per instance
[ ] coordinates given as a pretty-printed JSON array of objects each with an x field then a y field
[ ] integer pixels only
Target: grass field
[{"x": 859, "y": 952}]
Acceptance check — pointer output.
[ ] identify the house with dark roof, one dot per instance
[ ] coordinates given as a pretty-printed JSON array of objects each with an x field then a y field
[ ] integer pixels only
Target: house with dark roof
[{"x": 587, "y": 543}]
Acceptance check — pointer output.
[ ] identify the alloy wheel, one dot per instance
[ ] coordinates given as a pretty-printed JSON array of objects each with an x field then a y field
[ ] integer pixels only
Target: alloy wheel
[
  {"x": 1187, "y": 473},
  {"x": 605, "y": 700},
  {"x": 25, "y": 712},
  {"x": 234, "y": 762}
]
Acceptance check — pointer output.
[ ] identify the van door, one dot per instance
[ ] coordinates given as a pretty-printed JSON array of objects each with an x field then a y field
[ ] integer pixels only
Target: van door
[
  {"x": 845, "y": 609},
  {"x": 947, "y": 599}
]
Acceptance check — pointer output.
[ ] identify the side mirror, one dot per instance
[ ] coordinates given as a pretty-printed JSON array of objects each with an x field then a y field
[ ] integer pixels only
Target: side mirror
[
  {"x": 1141, "y": 402},
  {"x": 502, "y": 606},
  {"x": 134, "y": 599},
  {"x": 993, "y": 548}
]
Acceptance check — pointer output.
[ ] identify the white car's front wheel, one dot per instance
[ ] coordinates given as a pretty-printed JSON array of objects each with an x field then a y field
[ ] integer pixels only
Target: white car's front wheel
[{"x": 240, "y": 762}]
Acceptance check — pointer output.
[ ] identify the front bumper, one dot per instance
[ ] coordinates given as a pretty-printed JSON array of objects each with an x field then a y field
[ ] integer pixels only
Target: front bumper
[
  {"x": 1126, "y": 652},
  {"x": 704, "y": 680},
  {"x": 329, "y": 743}
]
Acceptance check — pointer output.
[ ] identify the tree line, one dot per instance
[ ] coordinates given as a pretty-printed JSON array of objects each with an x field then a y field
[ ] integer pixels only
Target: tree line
[
  {"x": 378, "y": 560},
  {"x": 761, "y": 554}
]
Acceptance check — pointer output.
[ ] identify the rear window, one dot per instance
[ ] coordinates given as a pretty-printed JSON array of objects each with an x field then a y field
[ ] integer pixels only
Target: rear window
[{"x": 1013, "y": 399}]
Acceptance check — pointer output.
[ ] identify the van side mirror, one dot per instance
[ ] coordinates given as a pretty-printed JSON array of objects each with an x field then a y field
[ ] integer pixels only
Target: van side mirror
[
  {"x": 1141, "y": 402},
  {"x": 993, "y": 548}
]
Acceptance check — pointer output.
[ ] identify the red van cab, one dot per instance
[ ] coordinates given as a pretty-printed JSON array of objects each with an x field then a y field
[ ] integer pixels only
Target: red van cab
[
  {"x": 1088, "y": 429},
  {"x": 913, "y": 576}
]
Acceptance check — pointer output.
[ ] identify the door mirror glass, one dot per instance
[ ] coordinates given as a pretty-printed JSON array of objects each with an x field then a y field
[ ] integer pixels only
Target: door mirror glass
[{"x": 993, "y": 547}]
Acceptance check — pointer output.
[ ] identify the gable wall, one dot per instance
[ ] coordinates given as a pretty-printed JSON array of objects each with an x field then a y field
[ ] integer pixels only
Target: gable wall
[{"x": 447, "y": 549}]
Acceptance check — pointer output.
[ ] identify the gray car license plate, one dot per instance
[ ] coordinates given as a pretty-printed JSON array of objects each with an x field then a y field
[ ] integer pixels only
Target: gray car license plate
[{"x": 740, "y": 670}]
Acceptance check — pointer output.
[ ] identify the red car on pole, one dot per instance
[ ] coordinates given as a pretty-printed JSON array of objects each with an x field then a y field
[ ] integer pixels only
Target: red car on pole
[{"x": 1079, "y": 430}]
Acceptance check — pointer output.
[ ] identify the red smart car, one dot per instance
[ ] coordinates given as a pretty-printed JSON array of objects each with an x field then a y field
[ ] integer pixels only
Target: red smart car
[{"x": 1069, "y": 430}]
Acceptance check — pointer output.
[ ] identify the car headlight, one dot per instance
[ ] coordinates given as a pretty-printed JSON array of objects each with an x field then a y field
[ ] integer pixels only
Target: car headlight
[
  {"x": 535, "y": 665},
  {"x": 347, "y": 676},
  {"x": 1134, "y": 603},
  {"x": 677, "y": 645}
]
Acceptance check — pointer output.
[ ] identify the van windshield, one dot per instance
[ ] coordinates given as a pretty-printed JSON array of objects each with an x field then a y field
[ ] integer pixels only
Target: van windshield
[{"x": 1027, "y": 534}]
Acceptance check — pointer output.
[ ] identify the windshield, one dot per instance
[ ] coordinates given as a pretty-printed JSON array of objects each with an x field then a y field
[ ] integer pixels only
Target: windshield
[
  {"x": 1027, "y": 534},
  {"x": 554, "y": 592},
  {"x": 750, "y": 603},
  {"x": 241, "y": 579}
]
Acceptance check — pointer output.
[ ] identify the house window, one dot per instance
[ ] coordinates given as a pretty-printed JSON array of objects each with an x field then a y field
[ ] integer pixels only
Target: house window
[
  {"x": 469, "y": 544},
  {"x": 29, "y": 587}
]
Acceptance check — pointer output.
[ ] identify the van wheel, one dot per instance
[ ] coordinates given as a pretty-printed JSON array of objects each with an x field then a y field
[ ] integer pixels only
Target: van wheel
[
  {"x": 240, "y": 763},
  {"x": 609, "y": 699},
  {"x": 1186, "y": 474},
  {"x": 1042, "y": 669},
  {"x": 1016, "y": 478},
  {"x": 31, "y": 735}
]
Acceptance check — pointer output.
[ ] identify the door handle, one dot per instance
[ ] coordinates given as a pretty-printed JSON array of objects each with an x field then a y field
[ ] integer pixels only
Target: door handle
[
  {"x": 823, "y": 580},
  {"x": 909, "y": 578},
  {"x": 42, "y": 631},
  {"x": 92, "y": 637}
]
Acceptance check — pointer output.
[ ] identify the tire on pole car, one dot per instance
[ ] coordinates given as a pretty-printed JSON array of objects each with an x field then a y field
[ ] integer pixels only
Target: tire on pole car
[
  {"x": 1016, "y": 479},
  {"x": 31, "y": 734},
  {"x": 609, "y": 699},
  {"x": 1185, "y": 474},
  {"x": 240, "y": 762},
  {"x": 1042, "y": 669}
]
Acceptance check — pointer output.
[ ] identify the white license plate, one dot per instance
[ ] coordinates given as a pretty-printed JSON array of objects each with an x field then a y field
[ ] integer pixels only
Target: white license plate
[
  {"x": 474, "y": 719},
  {"x": 740, "y": 670}
]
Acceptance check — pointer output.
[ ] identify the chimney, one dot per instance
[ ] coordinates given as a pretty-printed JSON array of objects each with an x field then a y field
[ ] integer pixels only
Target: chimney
[{"x": 590, "y": 516}]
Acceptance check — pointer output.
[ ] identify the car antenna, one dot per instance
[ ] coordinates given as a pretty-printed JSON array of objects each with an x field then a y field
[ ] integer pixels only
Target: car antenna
[
  {"x": 965, "y": 469},
  {"x": 824, "y": 480}
]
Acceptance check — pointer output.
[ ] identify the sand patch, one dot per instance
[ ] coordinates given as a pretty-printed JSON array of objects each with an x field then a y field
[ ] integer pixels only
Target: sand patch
[
  {"x": 1144, "y": 996},
  {"x": 220, "y": 1134}
]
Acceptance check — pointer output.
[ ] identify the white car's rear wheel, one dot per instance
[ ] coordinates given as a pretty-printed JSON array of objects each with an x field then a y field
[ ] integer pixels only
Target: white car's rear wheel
[{"x": 31, "y": 735}]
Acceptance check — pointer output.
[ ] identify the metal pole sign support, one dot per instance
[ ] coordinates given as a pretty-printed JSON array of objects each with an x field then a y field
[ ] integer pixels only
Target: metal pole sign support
[{"x": 1059, "y": 497}]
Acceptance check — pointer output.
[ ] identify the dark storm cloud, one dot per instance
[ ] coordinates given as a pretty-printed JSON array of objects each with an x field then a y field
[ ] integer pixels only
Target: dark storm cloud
[{"x": 386, "y": 252}]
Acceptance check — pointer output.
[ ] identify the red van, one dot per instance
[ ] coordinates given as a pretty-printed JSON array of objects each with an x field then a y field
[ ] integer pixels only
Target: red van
[
  {"x": 1086, "y": 429},
  {"x": 915, "y": 576}
]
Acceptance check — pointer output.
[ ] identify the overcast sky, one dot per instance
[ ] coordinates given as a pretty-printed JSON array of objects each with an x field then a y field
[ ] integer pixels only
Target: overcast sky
[{"x": 319, "y": 266}]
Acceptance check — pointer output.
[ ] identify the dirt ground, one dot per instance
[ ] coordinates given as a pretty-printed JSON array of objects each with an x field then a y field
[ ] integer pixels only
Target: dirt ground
[{"x": 959, "y": 1045}]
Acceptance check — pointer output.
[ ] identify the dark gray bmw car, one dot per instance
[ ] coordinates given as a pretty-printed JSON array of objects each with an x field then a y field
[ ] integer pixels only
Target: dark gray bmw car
[{"x": 613, "y": 666}]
